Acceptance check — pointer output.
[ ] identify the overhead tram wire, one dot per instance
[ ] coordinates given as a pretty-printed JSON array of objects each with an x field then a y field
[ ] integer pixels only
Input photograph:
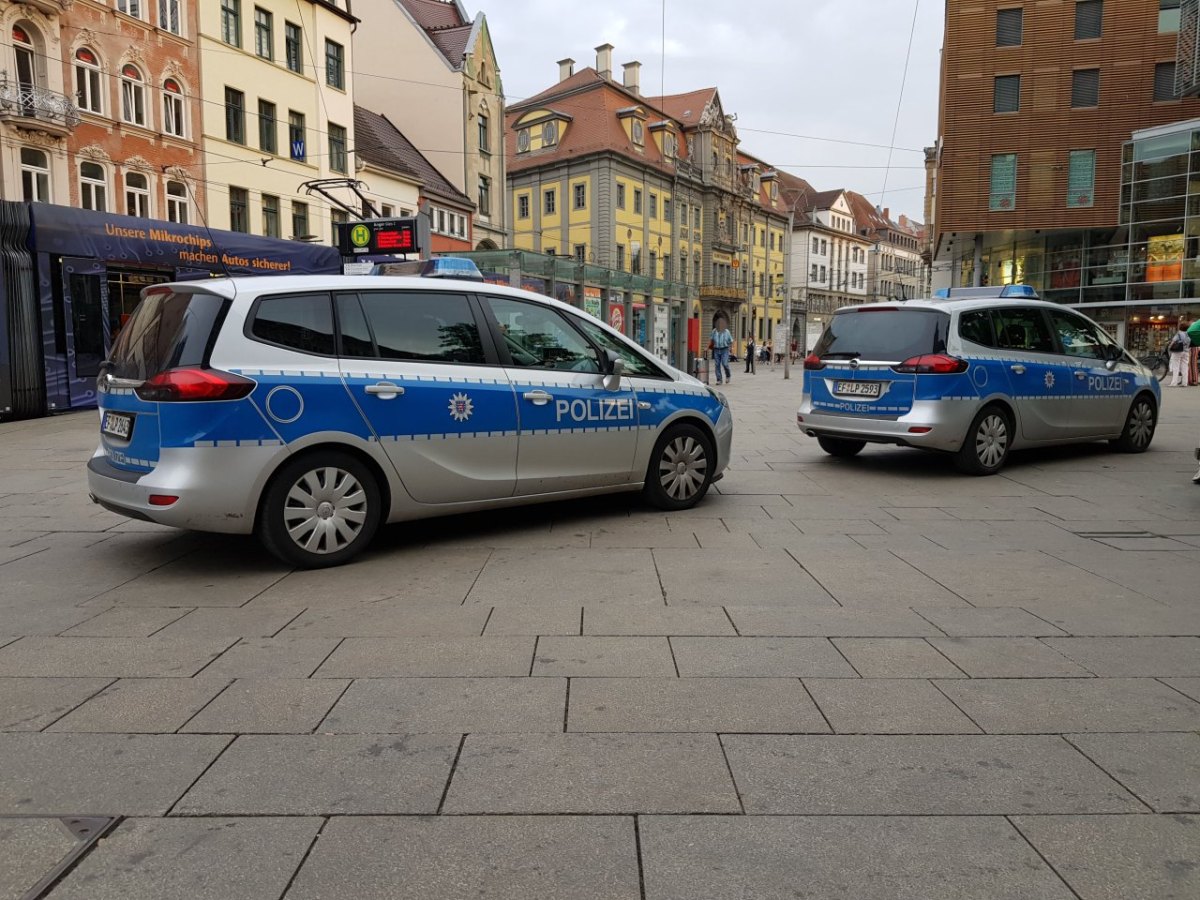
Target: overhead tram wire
[{"x": 900, "y": 101}]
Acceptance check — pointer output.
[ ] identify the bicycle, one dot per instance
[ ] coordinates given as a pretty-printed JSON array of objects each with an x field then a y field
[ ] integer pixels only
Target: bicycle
[{"x": 1158, "y": 363}]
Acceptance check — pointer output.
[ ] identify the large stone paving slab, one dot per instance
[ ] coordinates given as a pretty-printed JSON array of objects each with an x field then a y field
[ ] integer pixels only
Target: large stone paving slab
[
  {"x": 192, "y": 859},
  {"x": 258, "y": 621},
  {"x": 897, "y": 658},
  {"x": 389, "y": 618},
  {"x": 29, "y": 849},
  {"x": 268, "y": 706},
  {"x": 134, "y": 622},
  {"x": 856, "y": 858},
  {"x": 195, "y": 581},
  {"x": 1133, "y": 656},
  {"x": 104, "y": 774},
  {"x": 597, "y": 576},
  {"x": 761, "y": 705},
  {"x": 428, "y": 657},
  {"x": 1121, "y": 857},
  {"x": 908, "y": 775},
  {"x": 294, "y": 775},
  {"x": 832, "y": 621},
  {"x": 592, "y": 773},
  {"x": 501, "y": 857},
  {"x": 1003, "y": 657},
  {"x": 1052, "y": 705},
  {"x": 730, "y": 575},
  {"x": 280, "y": 657},
  {"x": 759, "y": 658},
  {"x": 450, "y": 705},
  {"x": 657, "y": 620},
  {"x": 987, "y": 621},
  {"x": 874, "y": 578},
  {"x": 887, "y": 706},
  {"x": 143, "y": 705},
  {"x": 83, "y": 657},
  {"x": 600, "y": 656},
  {"x": 536, "y": 618},
  {"x": 1103, "y": 617},
  {"x": 1162, "y": 769},
  {"x": 30, "y": 704}
]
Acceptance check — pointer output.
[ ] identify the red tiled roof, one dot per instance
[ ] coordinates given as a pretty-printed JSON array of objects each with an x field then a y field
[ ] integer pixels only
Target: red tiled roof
[
  {"x": 434, "y": 13},
  {"x": 582, "y": 78},
  {"x": 380, "y": 143},
  {"x": 452, "y": 42},
  {"x": 685, "y": 108},
  {"x": 866, "y": 216}
]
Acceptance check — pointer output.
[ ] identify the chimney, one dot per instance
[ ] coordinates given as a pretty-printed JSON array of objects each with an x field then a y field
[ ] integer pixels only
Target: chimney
[
  {"x": 604, "y": 61},
  {"x": 633, "y": 77},
  {"x": 887, "y": 214},
  {"x": 566, "y": 68}
]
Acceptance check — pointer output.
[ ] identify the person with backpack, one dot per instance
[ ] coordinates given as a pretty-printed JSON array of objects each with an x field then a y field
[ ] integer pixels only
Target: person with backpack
[{"x": 1180, "y": 350}]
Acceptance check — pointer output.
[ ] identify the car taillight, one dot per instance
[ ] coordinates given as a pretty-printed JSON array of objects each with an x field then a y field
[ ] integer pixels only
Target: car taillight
[
  {"x": 813, "y": 363},
  {"x": 932, "y": 364},
  {"x": 190, "y": 385}
]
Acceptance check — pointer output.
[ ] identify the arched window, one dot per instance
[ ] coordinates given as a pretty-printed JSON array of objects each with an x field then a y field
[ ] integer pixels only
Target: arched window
[
  {"x": 137, "y": 195},
  {"x": 177, "y": 202},
  {"x": 174, "y": 117},
  {"x": 93, "y": 187},
  {"x": 133, "y": 96},
  {"x": 88, "y": 93},
  {"x": 35, "y": 176},
  {"x": 25, "y": 43}
]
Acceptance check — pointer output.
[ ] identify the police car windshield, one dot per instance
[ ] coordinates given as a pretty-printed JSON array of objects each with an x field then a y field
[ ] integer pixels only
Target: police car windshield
[
  {"x": 166, "y": 331},
  {"x": 884, "y": 335}
]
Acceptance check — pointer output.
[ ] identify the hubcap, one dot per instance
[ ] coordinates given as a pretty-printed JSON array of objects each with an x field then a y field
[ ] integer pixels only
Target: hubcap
[
  {"x": 683, "y": 468},
  {"x": 991, "y": 440},
  {"x": 1141, "y": 424},
  {"x": 325, "y": 510}
]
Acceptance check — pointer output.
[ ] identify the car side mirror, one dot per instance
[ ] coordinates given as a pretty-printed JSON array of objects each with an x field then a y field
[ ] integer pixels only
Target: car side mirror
[{"x": 616, "y": 368}]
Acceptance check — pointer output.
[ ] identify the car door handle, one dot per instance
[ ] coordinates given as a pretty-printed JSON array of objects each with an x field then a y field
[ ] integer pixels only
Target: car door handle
[
  {"x": 1018, "y": 369},
  {"x": 385, "y": 390},
  {"x": 538, "y": 398}
]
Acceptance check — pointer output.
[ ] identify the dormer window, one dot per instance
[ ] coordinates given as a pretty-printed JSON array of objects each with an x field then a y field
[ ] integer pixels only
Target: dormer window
[
  {"x": 523, "y": 140},
  {"x": 638, "y": 131},
  {"x": 549, "y": 134}
]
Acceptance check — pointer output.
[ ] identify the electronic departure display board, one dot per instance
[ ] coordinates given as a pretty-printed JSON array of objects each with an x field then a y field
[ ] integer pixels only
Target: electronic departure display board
[{"x": 400, "y": 237}]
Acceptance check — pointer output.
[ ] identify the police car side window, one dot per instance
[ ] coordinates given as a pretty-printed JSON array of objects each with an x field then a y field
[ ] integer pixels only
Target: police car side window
[
  {"x": 424, "y": 327},
  {"x": 976, "y": 327},
  {"x": 352, "y": 326},
  {"x": 538, "y": 337},
  {"x": 301, "y": 322},
  {"x": 1022, "y": 329},
  {"x": 635, "y": 364},
  {"x": 1077, "y": 336}
]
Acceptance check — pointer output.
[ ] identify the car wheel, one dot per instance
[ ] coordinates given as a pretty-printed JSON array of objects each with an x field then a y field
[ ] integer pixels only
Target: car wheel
[
  {"x": 986, "y": 446},
  {"x": 1139, "y": 427},
  {"x": 681, "y": 468},
  {"x": 320, "y": 510},
  {"x": 843, "y": 448}
]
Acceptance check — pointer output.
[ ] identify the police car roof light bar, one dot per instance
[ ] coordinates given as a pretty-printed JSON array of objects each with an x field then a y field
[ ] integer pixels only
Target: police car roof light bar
[{"x": 1001, "y": 292}]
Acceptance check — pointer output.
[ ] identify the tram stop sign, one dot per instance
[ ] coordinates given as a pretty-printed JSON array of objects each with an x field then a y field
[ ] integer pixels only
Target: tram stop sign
[{"x": 398, "y": 237}]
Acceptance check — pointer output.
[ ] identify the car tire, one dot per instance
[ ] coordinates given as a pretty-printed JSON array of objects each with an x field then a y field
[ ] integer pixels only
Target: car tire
[
  {"x": 988, "y": 442},
  {"x": 681, "y": 468},
  {"x": 1140, "y": 425},
  {"x": 320, "y": 510},
  {"x": 843, "y": 448}
]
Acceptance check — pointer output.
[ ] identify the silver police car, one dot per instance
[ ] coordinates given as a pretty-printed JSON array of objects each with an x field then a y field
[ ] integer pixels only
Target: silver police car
[
  {"x": 309, "y": 410},
  {"x": 976, "y": 373}
]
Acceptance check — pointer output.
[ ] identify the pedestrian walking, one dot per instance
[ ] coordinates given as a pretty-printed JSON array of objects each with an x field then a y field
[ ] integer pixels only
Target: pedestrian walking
[
  {"x": 1194, "y": 334},
  {"x": 750, "y": 349},
  {"x": 1180, "y": 350},
  {"x": 720, "y": 342}
]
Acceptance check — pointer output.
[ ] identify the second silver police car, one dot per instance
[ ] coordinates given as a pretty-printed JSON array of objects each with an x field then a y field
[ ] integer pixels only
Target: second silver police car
[
  {"x": 310, "y": 410},
  {"x": 978, "y": 373}
]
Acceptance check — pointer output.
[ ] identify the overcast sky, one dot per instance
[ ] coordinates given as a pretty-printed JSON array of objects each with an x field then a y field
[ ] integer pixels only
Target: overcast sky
[{"x": 823, "y": 68}]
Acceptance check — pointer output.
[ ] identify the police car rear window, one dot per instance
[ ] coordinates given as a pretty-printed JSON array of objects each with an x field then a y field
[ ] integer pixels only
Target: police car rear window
[
  {"x": 884, "y": 335},
  {"x": 166, "y": 331},
  {"x": 301, "y": 322}
]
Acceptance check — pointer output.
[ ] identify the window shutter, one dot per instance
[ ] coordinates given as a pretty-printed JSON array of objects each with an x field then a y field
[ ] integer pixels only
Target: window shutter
[
  {"x": 1007, "y": 96},
  {"x": 1085, "y": 88},
  {"x": 1089, "y": 18},
  {"x": 1009, "y": 27},
  {"x": 1164, "y": 81}
]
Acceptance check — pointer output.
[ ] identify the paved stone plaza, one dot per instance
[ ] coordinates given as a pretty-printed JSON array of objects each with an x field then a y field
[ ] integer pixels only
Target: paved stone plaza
[{"x": 868, "y": 679}]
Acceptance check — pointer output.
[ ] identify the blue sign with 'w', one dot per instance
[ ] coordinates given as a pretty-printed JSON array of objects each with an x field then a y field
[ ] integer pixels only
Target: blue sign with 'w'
[{"x": 298, "y": 150}]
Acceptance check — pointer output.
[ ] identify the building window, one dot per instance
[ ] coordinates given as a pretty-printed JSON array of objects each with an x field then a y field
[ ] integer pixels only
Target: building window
[
  {"x": 231, "y": 22},
  {"x": 133, "y": 96},
  {"x": 1006, "y": 96},
  {"x": 35, "y": 176},
  {"x": 485, "y": 195},
  {"x": 270, "y": 215},
  {"x": 654, "y": 206},
  {"x": 337, "y": 217},
  {"x": 550, "y": 134},
  {"x": 523, "y": 206},
  {"x": 88, "y": 93},
  {"x": 1002, "y": 188},
  {"x": 1164, "y": 82},
  {"x": 268, "y": 127},
  {"x": 1085, "y": 88},
  {"x": 1168, "y": 16},
  {"x": 299, "y": 220},
  {"x": 235, "y": 116},
  {"x": 523, "y": 140},
  {"x": 816, "y": 245},
  {"x": 581, "y": 253},
  {"x": 1081, "y": 178},
  {"x": 485, "y": 139},
  {"x": 169, "y": 18},
  {"x": 239, "y": 210},
  {"x": 177, "y": 202},
  {"x": 621, "y": 257},
  {"x": 823, "y": 274},
  {"x": 335, "y": 65},
  {"x": 683, "y": 215},
  {"x": 638, "y": 130},
  {"x": 264, "y": 33},
  {"x": 174, "y": 117},
  {"x": 620, "y": 196},
  {"x": 580, "y": 196},
  {"x": 293, "y": 47},
  {"x": 137, "y": 195},
  {"x": 637, "y": 201},
  {"x": 130, "y": 8},
  {"x": 296, "y": 136},
  {"x": 337, "y": 148},
  {"x": 551, "y": 202},
  {"x": 668, "y": 212},
  {"x": 696, "y": 216},
  {"x": 1089, "y": 19},
  {"x": 93, "y": 187},
  {"x": 386, "y": 210}
]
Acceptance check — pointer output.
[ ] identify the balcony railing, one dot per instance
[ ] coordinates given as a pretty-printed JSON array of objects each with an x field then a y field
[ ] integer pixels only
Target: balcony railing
[{"x": 53, "y": 111}]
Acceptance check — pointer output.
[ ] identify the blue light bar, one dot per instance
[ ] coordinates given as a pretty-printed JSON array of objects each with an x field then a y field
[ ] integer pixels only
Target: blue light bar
[
  {"x": 999, "y": 292},
  {"x": 451, "y": 267}
]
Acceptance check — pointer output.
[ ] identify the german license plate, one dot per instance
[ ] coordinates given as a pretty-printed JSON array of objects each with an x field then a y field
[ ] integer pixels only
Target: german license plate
[
  {"x": 117, "y": 425},
  {"x": 857, "y": 388}
]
